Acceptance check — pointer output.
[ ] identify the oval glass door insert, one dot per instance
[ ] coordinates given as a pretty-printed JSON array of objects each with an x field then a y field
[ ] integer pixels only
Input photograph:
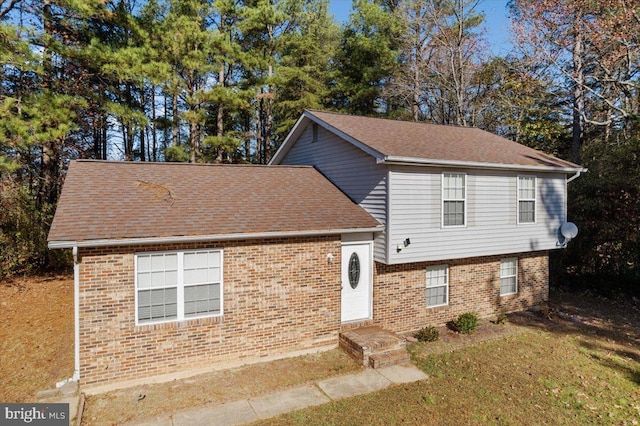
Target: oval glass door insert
[{"x": 354, "y": 270}]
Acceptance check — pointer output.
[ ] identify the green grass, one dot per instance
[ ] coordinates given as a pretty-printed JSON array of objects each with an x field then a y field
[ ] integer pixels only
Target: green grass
[{"x": 538, "y": 377}]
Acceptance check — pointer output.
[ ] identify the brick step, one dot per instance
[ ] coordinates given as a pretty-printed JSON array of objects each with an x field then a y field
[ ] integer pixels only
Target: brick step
[
  {"x": 361, "y": 343},
  {"x": 388, "y": 358}
]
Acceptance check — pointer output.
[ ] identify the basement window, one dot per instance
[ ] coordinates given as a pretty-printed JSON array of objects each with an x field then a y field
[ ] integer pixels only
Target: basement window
[
  {"x": 180, "y": 285},
  {"x": 508, "y": 276}
]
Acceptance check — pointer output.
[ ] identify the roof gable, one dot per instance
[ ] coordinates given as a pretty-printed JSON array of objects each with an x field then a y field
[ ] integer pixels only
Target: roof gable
[
  {"x": 424, "y": 143},
  {"x": 113, "y": 201}
]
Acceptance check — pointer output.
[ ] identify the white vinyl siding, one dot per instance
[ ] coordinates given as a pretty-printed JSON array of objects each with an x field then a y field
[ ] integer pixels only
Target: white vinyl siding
[
  {"x": 437, "y": 286},
  {"x": 174, "y": 286},
  {"x": 454, "y": 199},
  {"x": 415, "y": 212},
  {"x": 526, "y": 199},
  {"x": 508, "y": 276},
  {"x": 352, "y": 170}
]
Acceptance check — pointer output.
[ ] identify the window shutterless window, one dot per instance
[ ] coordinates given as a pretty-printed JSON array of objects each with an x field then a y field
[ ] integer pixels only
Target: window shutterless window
[
  {"x": 508, "y": 276},
  {"x": 454, "y": 195},
  {"x": 526, "y": 199},
  {"x": 175, "y": 286},
  {"x": 437, "y": 286}
]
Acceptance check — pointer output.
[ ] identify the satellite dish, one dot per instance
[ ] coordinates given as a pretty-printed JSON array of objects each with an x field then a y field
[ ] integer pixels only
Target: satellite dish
[{"x": 569, "y": 230}]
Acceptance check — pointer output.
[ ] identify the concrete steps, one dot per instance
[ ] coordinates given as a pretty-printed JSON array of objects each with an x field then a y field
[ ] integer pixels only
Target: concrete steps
[{"x": 374, "y": 346}]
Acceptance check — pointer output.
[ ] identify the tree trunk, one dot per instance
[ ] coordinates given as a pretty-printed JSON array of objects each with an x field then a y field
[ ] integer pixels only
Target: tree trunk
[
  {"x": 578, "y": 89},
  {"x": 175, "y": 141},
  {"x": 220, "y": 117},
  {"x": 143, "y": 102},
  {"x": 48, "y": 153},
  {"x": 154, "y": 136}
]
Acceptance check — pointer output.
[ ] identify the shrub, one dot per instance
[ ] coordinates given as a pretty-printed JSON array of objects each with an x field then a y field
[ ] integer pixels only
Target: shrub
[
  {"x": 427, "y": 334},
  {"x": 466, "y": 323},
  {"x": 502, "y": 319}
]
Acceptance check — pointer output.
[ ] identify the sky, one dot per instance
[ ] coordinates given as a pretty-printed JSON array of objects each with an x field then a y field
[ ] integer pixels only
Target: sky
[{"x": 496, "y": 24}]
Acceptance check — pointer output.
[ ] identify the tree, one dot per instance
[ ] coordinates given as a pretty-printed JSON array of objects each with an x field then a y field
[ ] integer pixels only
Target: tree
[
  {"x": 366, "y": 59},
  {"x": 303, "y": 76},
  {"x": 592, "y": 51}
]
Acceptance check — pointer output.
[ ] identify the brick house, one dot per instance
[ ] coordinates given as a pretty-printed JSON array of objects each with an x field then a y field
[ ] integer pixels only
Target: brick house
[{"x": 185, "y": 267}]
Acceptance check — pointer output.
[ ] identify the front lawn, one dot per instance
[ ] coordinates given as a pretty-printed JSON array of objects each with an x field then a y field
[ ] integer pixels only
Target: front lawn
[{"x": 579, "y": 364}]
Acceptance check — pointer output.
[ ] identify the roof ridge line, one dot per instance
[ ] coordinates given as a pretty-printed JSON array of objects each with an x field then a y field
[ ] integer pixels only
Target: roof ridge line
[{"x": 167, "y": 163}]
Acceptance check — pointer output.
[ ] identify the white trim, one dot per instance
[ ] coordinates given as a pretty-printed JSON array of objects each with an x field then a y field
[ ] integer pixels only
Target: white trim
[
  {"x": 442, "y": 200},
  {"x": 204, "y": 238},
  {"x": 534, "y": 199},
  {"x": 427, "y": 287},
  {"x": 509, "y": 259},
  {"x": 403, "y": 161},
  {"x": 180, "y": 286}
]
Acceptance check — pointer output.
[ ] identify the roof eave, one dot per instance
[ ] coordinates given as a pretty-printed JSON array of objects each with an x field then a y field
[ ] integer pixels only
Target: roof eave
[
  {"x": 285, "y": 146},
  {"x": 427, "y": 162},
  {"x": 299, "y": 127},
  {"x": 202, "y": 238}
]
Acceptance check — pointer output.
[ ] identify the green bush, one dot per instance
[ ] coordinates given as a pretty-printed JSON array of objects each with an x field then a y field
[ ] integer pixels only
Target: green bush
[
  {"x": 427, "y": 334},
  {"x": 466, "y": 323}
]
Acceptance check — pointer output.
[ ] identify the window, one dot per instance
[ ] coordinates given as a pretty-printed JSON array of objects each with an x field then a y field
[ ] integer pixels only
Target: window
[
  {"x": 454, "y": 196},
  {"x": 175, "y": 286},
  {"x": 437, "y": 286},
  {"x": 508, "y": 276},
  {"x": 526, "y": 199}
]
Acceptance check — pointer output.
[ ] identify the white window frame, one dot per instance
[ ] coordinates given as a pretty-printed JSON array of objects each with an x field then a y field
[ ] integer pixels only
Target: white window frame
[
  {"x": 534, "y": 199},
  {"x": 430, "y": 286},
  {"x": 180, "y": 286},
  {"x": 514, "y": 275},
  {"x": 464, "y": 199}
]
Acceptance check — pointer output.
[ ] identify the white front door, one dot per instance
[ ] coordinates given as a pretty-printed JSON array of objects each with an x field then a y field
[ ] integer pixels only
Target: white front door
[{"x": 356, "y": 281}]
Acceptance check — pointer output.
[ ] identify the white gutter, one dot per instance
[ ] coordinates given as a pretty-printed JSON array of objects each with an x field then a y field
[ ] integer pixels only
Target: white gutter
[
  {"x": 577, "y": 175},
  {"x": 406, "y": 161},
  {"x": 201, "y": 238}
]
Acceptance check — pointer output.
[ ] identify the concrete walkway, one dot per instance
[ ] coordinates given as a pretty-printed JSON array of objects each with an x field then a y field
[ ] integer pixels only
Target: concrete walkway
[{"x": 307, "y": 395}]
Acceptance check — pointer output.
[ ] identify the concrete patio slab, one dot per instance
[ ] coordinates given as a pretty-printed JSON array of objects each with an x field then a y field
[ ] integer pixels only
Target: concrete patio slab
[
  {"x": 288, "y": 400},
  {"x": 233, "y": 413},
  {"x": 354, "y": 384},
  {"x": 403, "y": 373}
]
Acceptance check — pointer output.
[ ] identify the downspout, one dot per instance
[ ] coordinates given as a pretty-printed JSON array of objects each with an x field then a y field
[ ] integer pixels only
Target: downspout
[
  {"x": 576, "y": 176},
  {"x": 76, "y": 321},
  {"x": 76, "y": 315}
]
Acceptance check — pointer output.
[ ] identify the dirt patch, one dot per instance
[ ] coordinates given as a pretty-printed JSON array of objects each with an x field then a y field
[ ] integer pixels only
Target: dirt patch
[
  {"x": 36, "y": 335},
  {"x": 218, "y": 387}
]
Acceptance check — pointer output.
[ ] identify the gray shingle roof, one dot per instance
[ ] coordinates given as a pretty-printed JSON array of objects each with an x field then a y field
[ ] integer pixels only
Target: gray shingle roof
[{"x": 132, "y": 200}]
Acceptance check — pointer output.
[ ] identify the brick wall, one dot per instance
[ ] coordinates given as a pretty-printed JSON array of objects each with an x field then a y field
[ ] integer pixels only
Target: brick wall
[
  {"x": 280, "y": 296},
  {"x": 474, "y": 285}
]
